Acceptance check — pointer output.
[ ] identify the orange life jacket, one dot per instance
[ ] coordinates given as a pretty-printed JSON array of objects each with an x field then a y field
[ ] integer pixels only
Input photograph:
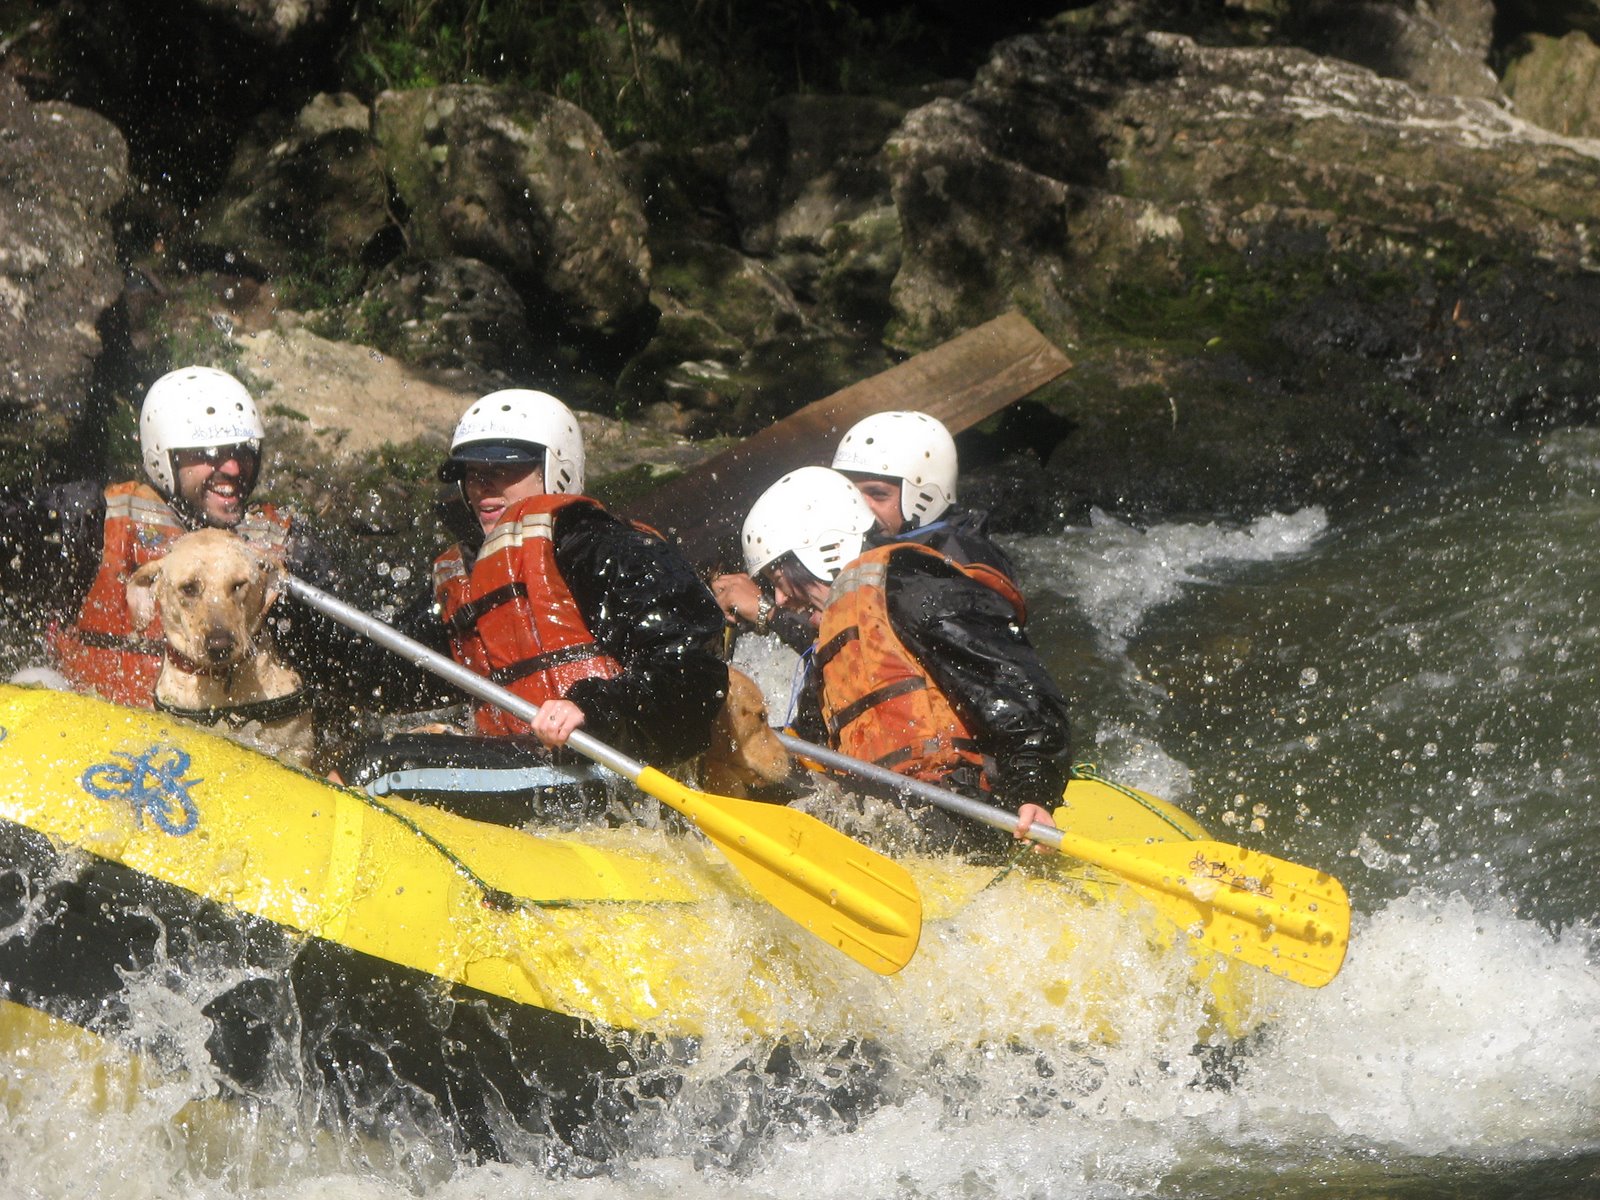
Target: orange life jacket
[
  {"x": 879, "y": 703},
  {"x": 512, "y": 618},
  {"x": 100, "y": 649}
]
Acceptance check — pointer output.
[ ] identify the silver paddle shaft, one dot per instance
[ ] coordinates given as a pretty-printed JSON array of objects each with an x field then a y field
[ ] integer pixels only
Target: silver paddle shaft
[
  {"x": 447, "y": 668},
  {"x": 919, "y": 789}
]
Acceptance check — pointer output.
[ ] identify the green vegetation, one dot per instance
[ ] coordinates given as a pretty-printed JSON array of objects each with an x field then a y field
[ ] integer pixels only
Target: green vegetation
[
  {"x": 676, "y": 74},
  {"x": 332, "y": 291},
  {"x": 318, "y": 282},
  {"x": 407, "y": 462},
  {"x": 186, "y": 337},
  {"x": 369, "y": 322}
]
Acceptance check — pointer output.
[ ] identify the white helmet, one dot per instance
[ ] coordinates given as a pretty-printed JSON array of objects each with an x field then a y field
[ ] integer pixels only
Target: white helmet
[
  {"x": 912, "y": 447},
  {"x": 813, "y": 513},
  {"x": 189, "y": 409},
  {"x": 518, "y": 425}
]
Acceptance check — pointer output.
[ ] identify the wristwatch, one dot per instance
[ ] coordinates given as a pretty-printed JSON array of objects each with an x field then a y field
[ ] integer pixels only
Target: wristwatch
[{"x": 764, "y": 607}]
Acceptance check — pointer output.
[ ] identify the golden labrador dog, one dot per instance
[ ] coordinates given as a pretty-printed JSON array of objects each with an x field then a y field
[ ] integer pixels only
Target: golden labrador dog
[
  {"x": 745, "y": 756},
  {"x": 212, "y": 592}
]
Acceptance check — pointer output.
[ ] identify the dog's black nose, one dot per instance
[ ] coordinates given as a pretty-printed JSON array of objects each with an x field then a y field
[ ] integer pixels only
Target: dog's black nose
[{"x": 219, "y": 645}]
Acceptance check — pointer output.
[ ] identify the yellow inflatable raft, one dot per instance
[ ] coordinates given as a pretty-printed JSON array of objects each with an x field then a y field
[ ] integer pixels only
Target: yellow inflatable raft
[{"x": 504, "y": 979}]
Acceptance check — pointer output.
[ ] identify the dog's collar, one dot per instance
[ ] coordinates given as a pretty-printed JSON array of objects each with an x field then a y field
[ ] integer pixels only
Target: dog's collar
[
  {"x": 189, "y": 666},
  {"x": 238, "y": 715}
]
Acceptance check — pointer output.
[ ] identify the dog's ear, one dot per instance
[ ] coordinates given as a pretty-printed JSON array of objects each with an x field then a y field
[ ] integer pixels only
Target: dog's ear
[
  {"x": 266, "y": 569},
  {"x": 274, "y": 584},
  {"x": 142, "y": 593}
]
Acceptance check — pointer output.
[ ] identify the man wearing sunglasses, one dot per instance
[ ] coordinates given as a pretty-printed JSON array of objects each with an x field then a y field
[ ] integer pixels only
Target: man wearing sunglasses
[{"x": 71, "y": 548}]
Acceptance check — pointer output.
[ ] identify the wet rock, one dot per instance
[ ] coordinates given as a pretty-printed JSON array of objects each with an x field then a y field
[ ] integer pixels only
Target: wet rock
[
  {"x": 857, "y": 275},
  {"x": 1303, "y": 257},
  {"x": 717, "y": 305},
  {"x": 62, "y": 168},
  {"x": 346, "y": 401},
  {"x": 453, "y": 314},
  {"x": 1440, "y": 47},
  {"x": 1555, "y": 82},
  {"x": 811, "y": 163},
  {"x": 303, "y": 191},
  {"x": 529, "y": 185}
]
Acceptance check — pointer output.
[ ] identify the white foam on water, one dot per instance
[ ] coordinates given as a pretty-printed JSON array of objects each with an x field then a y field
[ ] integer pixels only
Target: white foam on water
[
  {"x": 1455, "y": 1027},
  {"x": 1118, "y": 573},
  {"x": 1456, "y": 1031}
]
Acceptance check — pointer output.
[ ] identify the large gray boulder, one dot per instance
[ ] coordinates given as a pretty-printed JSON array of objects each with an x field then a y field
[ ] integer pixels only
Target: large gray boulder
[
  {"x": 1251, "y": 248},
  {"x": 62, "y": 169},
  {"x": 308, "y": 189},
  {"x": 1555, "y": 82},
  {"x": 1439, "y": 46},
  {"x": 527, "y": 184}
]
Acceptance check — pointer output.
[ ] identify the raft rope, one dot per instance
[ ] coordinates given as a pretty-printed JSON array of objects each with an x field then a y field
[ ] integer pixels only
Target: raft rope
[
  {"x": 1088, "y": 770},
  {"x": 1091, "y": 771},
  {"x": 493, "y": 897}
]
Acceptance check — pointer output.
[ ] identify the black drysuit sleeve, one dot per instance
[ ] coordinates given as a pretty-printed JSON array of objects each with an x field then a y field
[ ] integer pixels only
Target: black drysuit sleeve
[
  {"x": 50, "y": 548},
  {"x": 965, "y": 636},
  {"x": 647, "y": 607}
]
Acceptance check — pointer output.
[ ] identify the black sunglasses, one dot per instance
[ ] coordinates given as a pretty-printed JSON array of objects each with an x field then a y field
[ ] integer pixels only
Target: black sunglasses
[{"x": 241, "y": 452}]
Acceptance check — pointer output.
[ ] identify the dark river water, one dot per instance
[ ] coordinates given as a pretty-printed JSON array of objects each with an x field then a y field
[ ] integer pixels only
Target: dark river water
[{"x": 1400, "y": 689}]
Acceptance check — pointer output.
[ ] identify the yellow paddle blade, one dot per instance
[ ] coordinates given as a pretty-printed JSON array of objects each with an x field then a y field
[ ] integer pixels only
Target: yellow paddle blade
[
  {"x": 1288, "y": 919},
  {"x": 851, "y": 897}
]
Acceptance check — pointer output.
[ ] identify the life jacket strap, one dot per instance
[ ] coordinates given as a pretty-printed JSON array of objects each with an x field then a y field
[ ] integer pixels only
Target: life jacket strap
[
  {"x": 930, "y": 746},
  {"x": 829, "y": 650},
  {"x": 888, "y": 692},
  {"x": 465, "y": 619},
  {"x": 543, "y": 662},
  {"x": 96, "y": 639}
]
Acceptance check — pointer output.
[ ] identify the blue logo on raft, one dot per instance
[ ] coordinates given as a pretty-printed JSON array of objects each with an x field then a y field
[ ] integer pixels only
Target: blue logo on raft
[{"x": 152, "y": 783}]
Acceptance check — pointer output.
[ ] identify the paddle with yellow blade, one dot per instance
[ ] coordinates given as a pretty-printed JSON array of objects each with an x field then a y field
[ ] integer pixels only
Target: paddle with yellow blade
[
  {"x": 850, "y": 896},
  {"x": 1288, "y": 919}
]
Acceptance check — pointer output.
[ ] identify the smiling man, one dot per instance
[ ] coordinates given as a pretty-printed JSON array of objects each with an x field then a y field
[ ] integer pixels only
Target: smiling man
[
  {"x": 600, "y": 622},
  {"x": 70, "y": 549}
]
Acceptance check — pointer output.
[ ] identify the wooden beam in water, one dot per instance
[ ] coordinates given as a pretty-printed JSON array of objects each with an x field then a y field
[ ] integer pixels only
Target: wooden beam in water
[{"x": 961, "y": 382}]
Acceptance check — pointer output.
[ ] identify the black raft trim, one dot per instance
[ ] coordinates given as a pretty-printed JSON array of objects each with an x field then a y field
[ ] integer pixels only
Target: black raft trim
[
  {"x": 370, "y": 1027},
  {"x": 238, "y": 715}
]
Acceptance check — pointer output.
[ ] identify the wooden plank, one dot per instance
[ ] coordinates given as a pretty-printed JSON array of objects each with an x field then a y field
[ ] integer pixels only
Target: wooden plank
[{"x": 962, "y": 381}]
